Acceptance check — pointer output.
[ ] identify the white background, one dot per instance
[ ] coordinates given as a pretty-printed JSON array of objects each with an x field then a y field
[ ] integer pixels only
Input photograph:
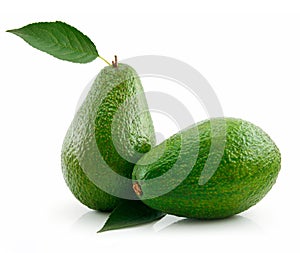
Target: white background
[{"x": 248, "y": 51}]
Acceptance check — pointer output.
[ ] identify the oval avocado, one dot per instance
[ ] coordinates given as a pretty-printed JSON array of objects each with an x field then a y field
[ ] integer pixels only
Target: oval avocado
[
  {"x": 246, "y": 167},
  {"x": 111, "y": 130}
]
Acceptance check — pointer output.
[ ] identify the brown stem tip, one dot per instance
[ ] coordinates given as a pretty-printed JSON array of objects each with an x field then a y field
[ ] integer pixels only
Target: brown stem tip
[
  {"x": 137, "y": 189},
  {"x": 115, "y": 62}
]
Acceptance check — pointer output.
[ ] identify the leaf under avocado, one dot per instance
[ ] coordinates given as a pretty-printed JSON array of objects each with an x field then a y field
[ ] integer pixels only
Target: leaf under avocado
[
  {"x": 59, "y": 40},
  {"x": 130, "y": 213}
]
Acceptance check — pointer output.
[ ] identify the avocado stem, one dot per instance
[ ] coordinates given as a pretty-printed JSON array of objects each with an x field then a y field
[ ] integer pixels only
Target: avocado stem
[
  {"x": 104, "y": 60},
  {"x": 115, "y": 62},
  {"x": 137, "y": 189}
]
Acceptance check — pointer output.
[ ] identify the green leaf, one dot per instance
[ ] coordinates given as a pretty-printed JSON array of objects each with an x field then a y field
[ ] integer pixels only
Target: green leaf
[
  {"x": 60, "y": 40},
  {"x": 130, "y": 213}
]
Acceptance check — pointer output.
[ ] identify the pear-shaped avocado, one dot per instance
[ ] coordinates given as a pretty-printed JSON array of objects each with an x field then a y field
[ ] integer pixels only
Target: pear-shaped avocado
[
  {"x": 235, "y": 165},
  {"x": 109, "y": 133}
]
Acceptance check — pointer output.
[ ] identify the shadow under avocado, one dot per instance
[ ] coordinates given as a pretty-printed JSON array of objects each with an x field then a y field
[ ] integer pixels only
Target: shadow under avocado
[{"x": 234, "y": 224}]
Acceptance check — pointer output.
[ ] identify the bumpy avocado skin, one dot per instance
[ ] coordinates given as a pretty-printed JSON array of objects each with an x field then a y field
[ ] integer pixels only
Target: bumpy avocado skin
[
  {"x": 248, "y": 169},
  {"x": 111, "y": 129}
]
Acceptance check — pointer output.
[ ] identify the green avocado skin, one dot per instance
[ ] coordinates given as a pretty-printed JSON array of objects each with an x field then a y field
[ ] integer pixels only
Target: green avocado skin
[
  {"x": 111, "y": 130},
  {"x": 248, "y": 169}
]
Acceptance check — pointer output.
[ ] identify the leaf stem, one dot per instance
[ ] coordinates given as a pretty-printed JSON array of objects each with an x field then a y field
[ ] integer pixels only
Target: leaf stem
[{"x": 104, "y": 60}]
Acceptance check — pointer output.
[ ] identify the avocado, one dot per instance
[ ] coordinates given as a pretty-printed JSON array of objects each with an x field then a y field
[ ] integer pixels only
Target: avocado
[
  {"x": 246, "y": 167},
  {"x": 110, "y": 131}
]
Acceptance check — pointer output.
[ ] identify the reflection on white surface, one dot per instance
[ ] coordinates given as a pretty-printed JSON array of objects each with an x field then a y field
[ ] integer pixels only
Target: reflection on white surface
[{"x": 90, "y": 222}]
